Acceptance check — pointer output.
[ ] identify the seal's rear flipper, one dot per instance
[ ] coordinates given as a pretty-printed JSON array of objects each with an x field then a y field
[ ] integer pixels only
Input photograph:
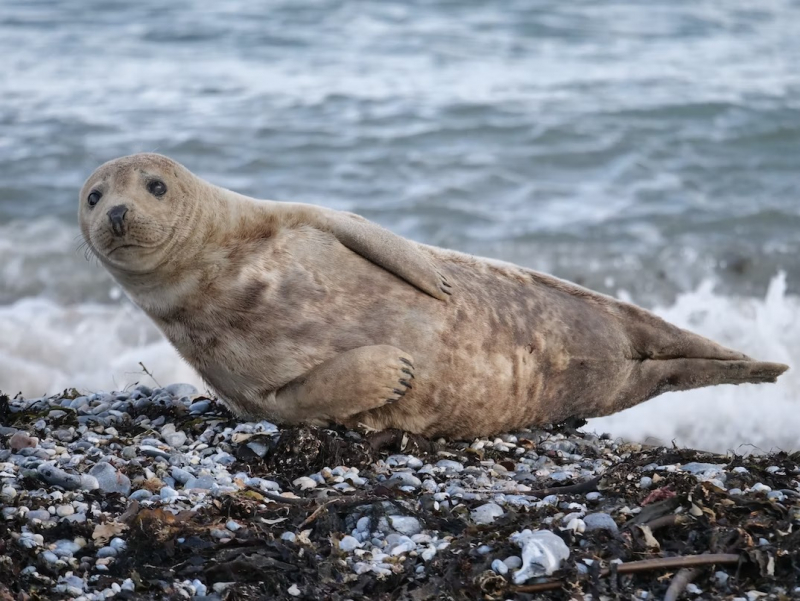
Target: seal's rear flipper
[
  {"x": 653, "y": 377},
  {"x": 666, "y": 358},
  {"x": 653, "y": 338}
]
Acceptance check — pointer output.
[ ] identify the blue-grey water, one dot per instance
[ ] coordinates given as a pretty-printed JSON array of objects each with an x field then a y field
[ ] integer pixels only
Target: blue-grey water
[{"x": 649, "y": 150}]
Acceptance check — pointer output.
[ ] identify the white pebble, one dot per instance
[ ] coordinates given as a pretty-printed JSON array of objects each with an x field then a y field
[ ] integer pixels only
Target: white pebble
[
  {"x": 500, "y": 567},
  {"x": 577, "y": 525},
  {"x": 7, "y": 494},
  {"x": 200, "y": 589},
  {"x": 450, "y": 466},
  {"x": 349, "y": 544},
  {"x": 542, "y": 553},
  {"x": 304, "y": 483},
  {"x": 405, "y": 524},
  {"x": 403, "y": 548},
  {"x": 486, "y": 514},
  {"x": 363, "y": 524},
  {"x": 232, "y": 526},
  {"x": 513, "y": 562}
]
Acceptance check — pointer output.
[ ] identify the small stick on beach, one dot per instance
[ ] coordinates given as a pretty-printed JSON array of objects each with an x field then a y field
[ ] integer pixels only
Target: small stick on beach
[
  {"x": 147, "y": 371},
  {"x": 632, "y": 567}
]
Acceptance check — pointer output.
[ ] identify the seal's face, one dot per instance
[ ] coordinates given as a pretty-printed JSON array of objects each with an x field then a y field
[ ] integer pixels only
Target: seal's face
[{"x": 134, "y": 210}]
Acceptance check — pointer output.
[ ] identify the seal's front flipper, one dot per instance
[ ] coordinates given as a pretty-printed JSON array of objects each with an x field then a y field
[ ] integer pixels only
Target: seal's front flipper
[
  {"x": 650, "y": 378},
  {"x": 393, "y": 253},
  {"x": 358, "y": 380}
]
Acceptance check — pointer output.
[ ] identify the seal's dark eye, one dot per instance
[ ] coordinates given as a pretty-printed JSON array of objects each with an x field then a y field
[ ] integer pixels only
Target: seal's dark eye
[
  {"x": 94, "y": 197},
  {"x": 157, "y": 187}
]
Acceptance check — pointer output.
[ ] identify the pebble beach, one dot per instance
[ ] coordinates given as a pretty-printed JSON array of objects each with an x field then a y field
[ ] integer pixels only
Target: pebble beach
[{"x": 160, "y": 493}]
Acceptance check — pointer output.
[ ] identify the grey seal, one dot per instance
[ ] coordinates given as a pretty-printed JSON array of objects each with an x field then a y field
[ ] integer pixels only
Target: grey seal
[{"x": 299, "y": 313}]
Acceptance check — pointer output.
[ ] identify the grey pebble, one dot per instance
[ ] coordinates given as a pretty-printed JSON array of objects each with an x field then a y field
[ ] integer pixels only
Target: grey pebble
[
  {"x": 118, "y": 544},
  {"x": 79, "y": 402},
  {"x": 513, "y": 562},
  {"x": 199, "y": 407},
  {"x": 109, "y": 480},
  {"x": 363, "y": 524},
  {"x": 450, "y": 466},
  {"x": 152, "y": 451},
  {"x": 348, "y": 544},
  {"x": 181, "y": 475},
  {"x": 66, "y": 548},
  {"x": 259, "y": 448},
  {"x": 224, "y": 458},
  {"x": 58, "y": 477},
  {"x": 204, "y": 482},
  {"x": 706, "y": 471},
  {"x": 500, "y": 567},
  {"x": 487, "y": 513},
  {"x": 600, "y": 521},
  {"x": 38, "y": 514},
  {"x": 405, "y": 524},
  {"x": 140, "y": 495},
  {"x": 168, "y": 493},
  {"x": 49, "y": 557},
  {"x": 176, "y": 439},
  {"x": 405, "y": 479},
  {"x": 76, "y": 518}
]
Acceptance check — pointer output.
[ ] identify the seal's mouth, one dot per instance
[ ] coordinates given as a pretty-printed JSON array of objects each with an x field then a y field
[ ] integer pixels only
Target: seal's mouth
[{"x": 121, "y": 247}]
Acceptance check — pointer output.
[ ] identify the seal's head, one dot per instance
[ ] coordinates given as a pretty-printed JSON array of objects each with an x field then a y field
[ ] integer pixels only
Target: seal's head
[{"x": 135, "y": 210}]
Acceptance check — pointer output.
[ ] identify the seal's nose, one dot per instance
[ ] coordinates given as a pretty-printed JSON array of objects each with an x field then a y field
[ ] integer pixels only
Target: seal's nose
[{"x": 117, "y": 217}]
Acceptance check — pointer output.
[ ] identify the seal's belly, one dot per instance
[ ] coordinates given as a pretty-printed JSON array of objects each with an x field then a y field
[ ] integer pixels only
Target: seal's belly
[{"x": 511, "y": 352}]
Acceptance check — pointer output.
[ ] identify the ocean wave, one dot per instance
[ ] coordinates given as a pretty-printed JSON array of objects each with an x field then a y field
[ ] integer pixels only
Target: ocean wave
[{"x": 46, "y": 348}]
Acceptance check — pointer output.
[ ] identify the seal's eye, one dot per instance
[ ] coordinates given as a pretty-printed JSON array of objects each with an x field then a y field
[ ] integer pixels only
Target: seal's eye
[
  {"x": 94, "y": 197},
  {"x": 157, "y": 187}
]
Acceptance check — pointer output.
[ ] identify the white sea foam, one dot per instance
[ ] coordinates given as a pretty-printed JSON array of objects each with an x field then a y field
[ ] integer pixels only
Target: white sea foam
[{"x": 46, "y": 347}]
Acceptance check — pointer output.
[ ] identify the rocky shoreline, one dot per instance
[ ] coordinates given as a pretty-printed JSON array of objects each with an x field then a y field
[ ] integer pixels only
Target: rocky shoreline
[{"x": 161, "y": 493}]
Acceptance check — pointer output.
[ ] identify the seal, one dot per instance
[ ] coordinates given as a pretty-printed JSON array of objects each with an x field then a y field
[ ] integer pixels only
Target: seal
[{"x": 299, "y": 313}]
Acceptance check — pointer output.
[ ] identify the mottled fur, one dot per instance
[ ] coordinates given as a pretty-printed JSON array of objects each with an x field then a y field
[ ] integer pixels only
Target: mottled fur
[{"x": 303, "y": 314}]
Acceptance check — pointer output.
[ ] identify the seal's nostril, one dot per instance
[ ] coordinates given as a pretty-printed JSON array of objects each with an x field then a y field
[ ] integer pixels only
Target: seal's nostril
[{"x": 116, "y": 215}]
